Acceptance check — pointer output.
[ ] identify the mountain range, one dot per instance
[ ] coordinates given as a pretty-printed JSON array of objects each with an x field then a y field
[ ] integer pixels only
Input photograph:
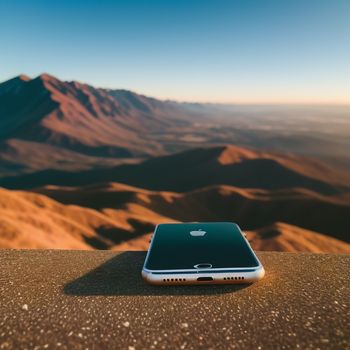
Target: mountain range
[
  {"x": 99, "y": 168},
  {"x": 47, "y": 123},
  {"x": 120, "y": 217},
  {"x": 78, "y": 124}
]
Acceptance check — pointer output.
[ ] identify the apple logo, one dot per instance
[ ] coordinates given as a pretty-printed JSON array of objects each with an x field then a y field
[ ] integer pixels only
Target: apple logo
[{"x": 198, "y": 233}]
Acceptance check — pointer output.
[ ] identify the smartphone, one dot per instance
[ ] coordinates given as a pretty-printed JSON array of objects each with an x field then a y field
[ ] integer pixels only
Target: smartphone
[{"x": 200, "y": 253}]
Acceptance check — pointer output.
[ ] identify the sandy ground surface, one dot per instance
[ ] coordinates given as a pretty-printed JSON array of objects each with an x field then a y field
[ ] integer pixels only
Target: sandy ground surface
[{"x": 97, "y": 300}]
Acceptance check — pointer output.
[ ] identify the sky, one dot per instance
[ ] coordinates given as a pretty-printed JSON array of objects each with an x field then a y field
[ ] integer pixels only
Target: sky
[{"x": 226, "y": 51}]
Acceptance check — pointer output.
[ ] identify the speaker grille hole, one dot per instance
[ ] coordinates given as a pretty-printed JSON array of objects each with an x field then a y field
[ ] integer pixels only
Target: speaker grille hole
[
  {"x": 174, "y": 279},
  {"x": 233, "y": 278}
]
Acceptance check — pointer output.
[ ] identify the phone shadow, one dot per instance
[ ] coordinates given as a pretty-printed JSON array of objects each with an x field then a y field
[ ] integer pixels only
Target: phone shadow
[{"x": 121, "y": 275}]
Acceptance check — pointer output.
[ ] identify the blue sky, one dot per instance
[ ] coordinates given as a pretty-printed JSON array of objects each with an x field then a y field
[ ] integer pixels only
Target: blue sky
[{"x": 236, "y": 51}]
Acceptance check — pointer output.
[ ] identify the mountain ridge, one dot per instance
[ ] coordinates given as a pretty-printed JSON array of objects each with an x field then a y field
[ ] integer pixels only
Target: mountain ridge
[
  {"x": 251, "y": 208},
  {"x": 95, "y": 126},
  {"x": 43, "y": 222},
  {"x": 33, "y": 220},
  {"x": 202, "y": 167},
  {"x": 79, "y": 116}
]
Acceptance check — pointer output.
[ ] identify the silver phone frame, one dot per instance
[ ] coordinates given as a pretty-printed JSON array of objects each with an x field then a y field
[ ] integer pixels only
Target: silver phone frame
[{"x": 229, "y": 275}]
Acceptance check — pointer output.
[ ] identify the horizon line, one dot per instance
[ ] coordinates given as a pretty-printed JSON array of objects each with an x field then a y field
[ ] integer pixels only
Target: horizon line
[{"x": 238, "y": 102}]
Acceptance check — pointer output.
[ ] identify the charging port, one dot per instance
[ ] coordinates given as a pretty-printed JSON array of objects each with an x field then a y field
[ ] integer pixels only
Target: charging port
[{"x": 204, "y": 279}]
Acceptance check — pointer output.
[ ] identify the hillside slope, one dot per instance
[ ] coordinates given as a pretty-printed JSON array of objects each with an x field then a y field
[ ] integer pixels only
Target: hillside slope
[
  {"x": 251, "y": 208},
  {"x": 202, "y": 167},
  {"x": 78, "y": 120},
  {"x": 32, "y": 220}
]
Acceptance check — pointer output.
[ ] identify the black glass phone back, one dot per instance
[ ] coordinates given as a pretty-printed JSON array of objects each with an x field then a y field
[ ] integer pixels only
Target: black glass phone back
[{"x": 181, "y": 246}]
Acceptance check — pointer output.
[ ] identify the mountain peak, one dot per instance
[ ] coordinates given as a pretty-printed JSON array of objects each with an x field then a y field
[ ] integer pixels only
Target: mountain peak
[
  {"x": 16, "y": 79},
  {"x": 47, "y": 77},
  {"x": 14, "y": 85},
  {"x": 230, "y": 154},
  {"x": 23, "y": 77}
]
